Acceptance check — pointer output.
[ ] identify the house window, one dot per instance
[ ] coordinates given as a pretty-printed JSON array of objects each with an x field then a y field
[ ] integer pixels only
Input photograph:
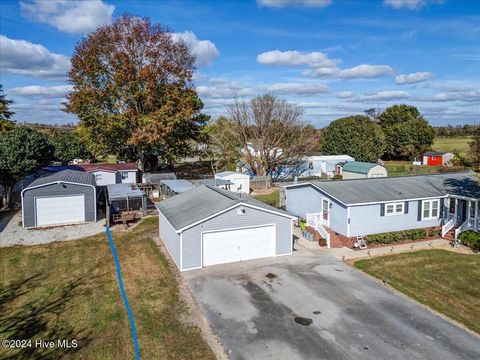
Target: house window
[
  {"x": 98, "y": 177},
  {"x": 394, "y": 209},
  {"x": 430, "y": 209},
  {"x": 310, "y": 165},
  {"x": 124, "y": 175}
]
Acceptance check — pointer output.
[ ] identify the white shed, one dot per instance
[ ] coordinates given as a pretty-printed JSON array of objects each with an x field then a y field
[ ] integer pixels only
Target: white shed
[
  {"x": 362, "y": 170},
  {"x": 241, "y": 182}
]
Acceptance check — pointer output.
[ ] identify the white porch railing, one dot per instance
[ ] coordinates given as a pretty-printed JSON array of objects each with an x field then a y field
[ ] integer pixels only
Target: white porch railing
[
  {"x": 462, "y": 228},
  {"x": 448, "y": 225},
  {"x": 315, "y": 221}
]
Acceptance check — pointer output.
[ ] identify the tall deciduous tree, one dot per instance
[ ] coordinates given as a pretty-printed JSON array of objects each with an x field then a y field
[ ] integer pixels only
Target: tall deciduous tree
[
  {"x": 132, "y": 88},
  {"x": 475, "y": 148},
  {"x": 271, "y": 133},
  {"x": 68, "y": 146},
  {"x": 22, "y": 151},
  {"x": 357, "y": 136},
  {"x": 407, "y": 133},
  {"x": 5, "y": 113}
]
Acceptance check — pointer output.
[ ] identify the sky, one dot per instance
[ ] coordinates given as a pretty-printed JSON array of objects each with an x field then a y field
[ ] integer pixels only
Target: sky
[{"x": 333, "y": 58}]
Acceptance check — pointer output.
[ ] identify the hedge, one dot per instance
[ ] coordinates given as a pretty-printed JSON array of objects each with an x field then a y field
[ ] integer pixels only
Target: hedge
[
  {"x": 405, "y": 235},
  {"x": 471, "y": 239}
]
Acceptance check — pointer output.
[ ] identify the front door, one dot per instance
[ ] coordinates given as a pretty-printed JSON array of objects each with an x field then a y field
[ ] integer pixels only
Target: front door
[{"x": 325, "y": 211}]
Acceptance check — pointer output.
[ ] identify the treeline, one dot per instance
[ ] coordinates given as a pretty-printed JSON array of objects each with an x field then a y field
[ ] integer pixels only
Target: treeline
[{"x": 455, "y": 131}]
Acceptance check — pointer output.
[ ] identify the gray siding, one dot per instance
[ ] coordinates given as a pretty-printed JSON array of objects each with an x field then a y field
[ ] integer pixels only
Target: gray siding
[
  {"x": 170, "y": 238},
  {"x": 58, "y": 190},
  {"x": 366, "y": 219},
  {"x": 308, "y": 199},
  {"x": 192, "y": 238}
]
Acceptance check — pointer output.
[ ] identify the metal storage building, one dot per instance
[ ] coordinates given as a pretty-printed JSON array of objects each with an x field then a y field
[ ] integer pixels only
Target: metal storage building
[
  {"x": 66, "y": 197},
  {"x": 208, "y": 226}
]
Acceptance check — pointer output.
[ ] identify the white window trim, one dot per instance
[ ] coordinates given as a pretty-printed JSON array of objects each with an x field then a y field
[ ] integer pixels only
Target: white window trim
[
  {"x": 395, "y": 212},
  {"x": 431, "y": 202}
]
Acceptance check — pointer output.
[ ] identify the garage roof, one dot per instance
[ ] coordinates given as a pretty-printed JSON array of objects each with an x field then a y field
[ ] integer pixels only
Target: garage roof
[
  {"x": 202, "y": 202},
  {"x": 229, "y": 173},
  {"x": 122, "y": 191},
  {"x": 375, "y": 190},
  {"x": 179, "y": 186},
  {"x": 70, "y": 176}
]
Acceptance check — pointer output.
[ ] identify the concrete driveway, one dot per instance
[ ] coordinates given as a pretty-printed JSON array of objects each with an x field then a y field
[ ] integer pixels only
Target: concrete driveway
[{"x": 253, "y": 306}]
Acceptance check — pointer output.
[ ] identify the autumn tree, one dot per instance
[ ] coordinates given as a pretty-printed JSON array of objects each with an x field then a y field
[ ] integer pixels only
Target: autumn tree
[
  {"x": 357, "y": 136},
  {"x": 5, "y": 113},
  {"x": 407, "y": 132},
  {"x": 133, "y": 90},
  {"x": 271, "y": 133}
]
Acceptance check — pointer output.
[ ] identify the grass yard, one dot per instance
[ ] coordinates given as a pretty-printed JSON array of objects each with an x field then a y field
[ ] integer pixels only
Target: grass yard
[
  {"x": 272, "y": 199},
  {"x": 445, "y": 281},
  {"x": 401, "y": 168},
  {"x": 451, "y": 144},
  {"x": 69, "y": 291}
]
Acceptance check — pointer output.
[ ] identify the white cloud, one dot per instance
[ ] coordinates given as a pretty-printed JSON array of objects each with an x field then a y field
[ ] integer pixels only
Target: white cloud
[
  {"x": 345, "y": 94},
  {"x": 467, "y": 96},
  {"x": 22, "y": 57},
  {"x": 409, "y": 4},
  {"x": 76, "y": 17},
  {"x": 313, "y": 59},
  {"x": 365, "y": 71},
  {"x": 204, "y": 50},
  {"x": 384, "y": 96},
  {"x": 413, "y": 77},
  {"x": 321, "y": 71},
  {"x": 296, "y": 3},
  {"x": 223, "y": 88},
  {"x": 297, "y": 88},
  {"x": 41, "y": 91}
]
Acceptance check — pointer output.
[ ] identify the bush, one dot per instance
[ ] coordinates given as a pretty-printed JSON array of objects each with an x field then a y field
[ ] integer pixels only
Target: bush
[
  {"x": 471, "y": 239},
  {"x": 396, "y": 236}
]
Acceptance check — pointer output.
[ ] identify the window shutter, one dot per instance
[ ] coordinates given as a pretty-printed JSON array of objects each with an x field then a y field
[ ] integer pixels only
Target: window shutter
[
  {"x": 382, "y": 209},
  {"x": 406, "y": 207},
  {"x": 419, "y": 215}
]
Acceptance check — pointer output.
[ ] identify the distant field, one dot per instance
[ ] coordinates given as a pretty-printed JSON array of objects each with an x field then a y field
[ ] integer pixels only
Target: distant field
[{"x": 451, "y": 144}]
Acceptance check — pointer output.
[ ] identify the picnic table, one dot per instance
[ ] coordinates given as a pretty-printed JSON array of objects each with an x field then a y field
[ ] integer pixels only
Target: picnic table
[{"x": 126, "y": 216}]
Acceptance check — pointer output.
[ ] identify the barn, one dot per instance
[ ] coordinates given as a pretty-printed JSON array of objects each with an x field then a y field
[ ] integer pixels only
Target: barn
[
  {"x": 436, "y": 158},
  {"x": 209, "y": 226},
  {"x": 65, "y": 197}
]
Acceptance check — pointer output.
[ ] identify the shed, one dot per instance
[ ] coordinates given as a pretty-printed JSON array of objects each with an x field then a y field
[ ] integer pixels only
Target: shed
[
  {"x": 208, "y": 226},
  {"x": 436, "y": 158},
  {"x": 240, "y": 181},
  {"x": 220, "y": 183},
  {"x": 362, "y": 170},
  {"x": 125, "y": 198},
  {"x": 65, "y": 197}
]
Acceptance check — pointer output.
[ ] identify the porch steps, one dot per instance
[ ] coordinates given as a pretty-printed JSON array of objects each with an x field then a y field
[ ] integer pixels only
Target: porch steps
[{"x": 450, "y": 235}]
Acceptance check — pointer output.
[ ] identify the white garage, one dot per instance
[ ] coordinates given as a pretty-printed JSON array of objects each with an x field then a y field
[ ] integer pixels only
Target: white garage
[
  {"x": 60, "y": 210},
  {"x": 65, "y": 197},
  {"x": 240, "y": 182},
  {"x": 210, "y": 226}
]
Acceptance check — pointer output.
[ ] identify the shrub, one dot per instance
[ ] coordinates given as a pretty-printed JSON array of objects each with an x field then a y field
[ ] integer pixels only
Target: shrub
[
  {"x": 396, "y": 236},
  {"x": 471, "y": 239}
]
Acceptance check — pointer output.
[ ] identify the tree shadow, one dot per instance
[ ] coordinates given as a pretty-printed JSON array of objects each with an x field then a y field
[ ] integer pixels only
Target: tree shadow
[
  {"x": 467, "y": 187},
  {"x": 40, "y": 319},
  {"x": 5, "y": 217}
]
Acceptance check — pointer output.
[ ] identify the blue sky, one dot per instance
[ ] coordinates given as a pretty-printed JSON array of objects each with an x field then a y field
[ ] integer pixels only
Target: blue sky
[{"x": 333, "y": 58}]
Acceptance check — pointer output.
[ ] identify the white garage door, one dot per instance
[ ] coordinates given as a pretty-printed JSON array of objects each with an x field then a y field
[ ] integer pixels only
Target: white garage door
[
  {"x": 236, "y": 245},
  {"x": 60, "y": 210}
]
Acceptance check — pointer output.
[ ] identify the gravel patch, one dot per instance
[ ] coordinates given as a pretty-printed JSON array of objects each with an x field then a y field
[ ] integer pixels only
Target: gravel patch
[{"x": 12, "y": 233}]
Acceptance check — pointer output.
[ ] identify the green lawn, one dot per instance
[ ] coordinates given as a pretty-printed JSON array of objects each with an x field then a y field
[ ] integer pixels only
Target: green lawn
[
  {"x": 272, "y": 199},
  {"x": 69, "y": 291},
  {"x": 451, "y": 144},
  {"x": 445, "y": 281}
]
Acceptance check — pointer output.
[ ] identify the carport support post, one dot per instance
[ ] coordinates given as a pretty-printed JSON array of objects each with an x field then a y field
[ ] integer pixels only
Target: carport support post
[
  {"x": 128, "y": 205},
  {"x": 144, "y": 205},
  {"x": 107, "y": 212}
]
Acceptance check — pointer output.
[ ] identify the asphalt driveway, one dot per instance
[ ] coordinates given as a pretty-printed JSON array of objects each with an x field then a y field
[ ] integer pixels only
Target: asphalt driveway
[{"x": 253, "y": 306}]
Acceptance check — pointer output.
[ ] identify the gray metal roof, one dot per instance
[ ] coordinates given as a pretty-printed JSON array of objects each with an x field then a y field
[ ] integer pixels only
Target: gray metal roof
[
  {"x": 400, "y": 188},
  {"x": 122, "y": 191},
  {"x": 203, "y": 201},
  {"x": 228, "y": 173},
  {"x": 216, "y": 182},
  {"x": 71, "y": 176},
  {"x": 178, "y": 186},
  {"x": 155, "y": 178}
]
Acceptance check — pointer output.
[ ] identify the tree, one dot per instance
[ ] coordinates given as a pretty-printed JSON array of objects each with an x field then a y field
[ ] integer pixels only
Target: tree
[
  {"x": 68, "y": 146},
  {"x": 475, "y": 148},
  {"x": 271, "y": 133},
  {"x": 22, "y": 151},
  {"x": 132, "y": 89},
  {"x": 5, "y": 114},
  {"x": 357, "y": 136},
  {"x": 407, "y": 133}
]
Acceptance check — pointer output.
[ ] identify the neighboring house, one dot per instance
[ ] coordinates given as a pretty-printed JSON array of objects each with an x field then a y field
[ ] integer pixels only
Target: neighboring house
[
  {"x": 436, "y": 158},
  {"x": 208, "y": 226},
  {"x": 65, "y": 197},
  {"x": 240, "y": 182},
  {"x": 342, "y": 210},
  {"x": 362, "y": 170},
  {"x": 320, "y": 165},
  {"x": 108, "y": 174}
]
